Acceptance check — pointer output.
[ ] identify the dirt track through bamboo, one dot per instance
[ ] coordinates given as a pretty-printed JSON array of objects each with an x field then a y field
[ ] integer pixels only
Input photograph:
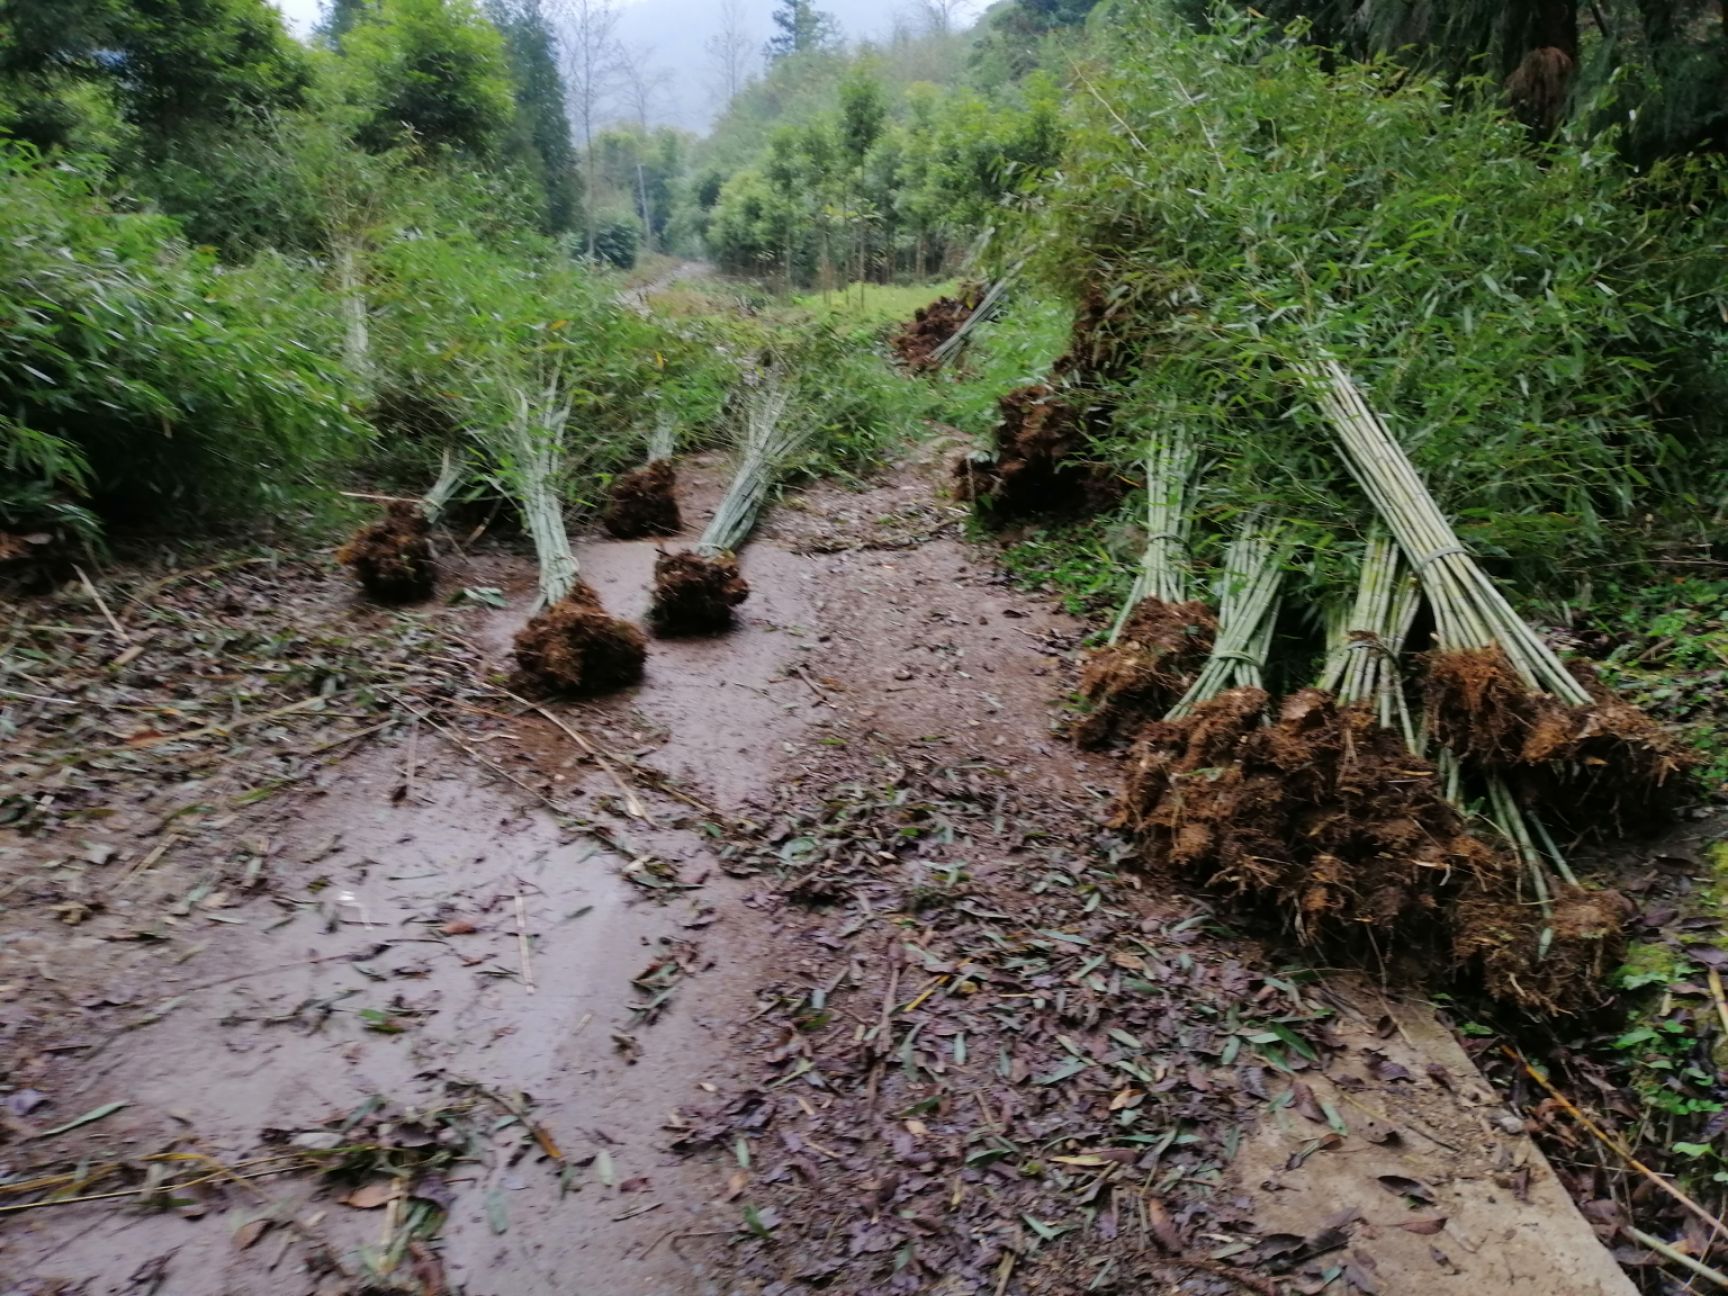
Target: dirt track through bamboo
[{"x": 422, "y": 931}]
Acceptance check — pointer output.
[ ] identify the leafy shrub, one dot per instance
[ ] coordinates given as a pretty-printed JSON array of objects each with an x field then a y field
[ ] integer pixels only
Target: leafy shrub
[
  {"x": 138, "y": 374},
  {"x": 861, "y": 406},
  {"x": 482, "y": 325},
  {"x": 1519, "y": 316},
  {"x": 616, "y": 242}
]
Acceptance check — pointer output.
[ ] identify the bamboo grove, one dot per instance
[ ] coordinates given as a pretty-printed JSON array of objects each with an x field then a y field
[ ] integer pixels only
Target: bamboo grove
[{"x": 1380, "y": 367}]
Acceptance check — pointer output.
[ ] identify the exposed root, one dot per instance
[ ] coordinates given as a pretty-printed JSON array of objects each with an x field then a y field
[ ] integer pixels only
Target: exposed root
[
  {"x": 1322, "y": 821},
  {"x": 1140, "y": 676},
  {"x": 644, "y": 502},
  {"x": 1204, "y": 742},
  {"x": 1501, "y": 937},
  {"x": 1098, "y": 344},
  {"x": 1479, "y": 707},
  {"x": 695, "y": 594},
  {"x": 933, "y": 325},
  {"x": 1041, "y": 464},
  {"x": 1538, "y": 87},
  {"x": 1602, "y": 767},
  {"x": 576, "y": 647},
  {"x": 1606, "y": 766},
  {"x": 392, "y": 558},
  {"x": 36, "y": 561}
]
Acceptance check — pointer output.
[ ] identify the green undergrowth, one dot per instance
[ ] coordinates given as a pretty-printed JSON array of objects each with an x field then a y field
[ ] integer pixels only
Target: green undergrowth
[
  {"x": 1663, "y": 644},
  {"x": 1015, "y": 349},
  {"x": 874, "y": 303},
  {"x": 1087, "y": 568}
]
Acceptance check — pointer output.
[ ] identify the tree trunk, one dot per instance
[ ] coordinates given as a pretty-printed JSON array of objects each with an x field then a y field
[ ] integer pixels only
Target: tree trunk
[
  {"x": 647, "y": 219},
  {"x": 588, "y": 177},
  {"x": 356, "y": 332}
]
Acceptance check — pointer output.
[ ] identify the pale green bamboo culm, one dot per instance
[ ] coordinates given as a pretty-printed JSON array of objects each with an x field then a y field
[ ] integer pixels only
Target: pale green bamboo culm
[
  {"x": 663, "y": 440},
  {"x": 766, "y": 443},
  {"x": 1469, "y": 611},
  {"x": 436, "y": 500},
  {"x": 1248, "y": 590},
  {"x": 1366, "y": 643},
  {"x": 536, "y": 445},
  {"x": 1171, "y": 458}
]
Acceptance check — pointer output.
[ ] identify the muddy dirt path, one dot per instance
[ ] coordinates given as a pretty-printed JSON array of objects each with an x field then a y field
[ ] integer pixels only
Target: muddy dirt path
[{"x": 829, "y": 978}]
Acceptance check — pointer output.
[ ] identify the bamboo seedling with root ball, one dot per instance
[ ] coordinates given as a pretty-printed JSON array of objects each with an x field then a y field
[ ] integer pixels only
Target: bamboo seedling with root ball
[
  {"x": 696, "y": 590},
  {"x": 644, "y": 501},
  {"x": 571, "y": 645},
  {"x": 392, "y": 558},
  {"x": 1161, "y": 635}
]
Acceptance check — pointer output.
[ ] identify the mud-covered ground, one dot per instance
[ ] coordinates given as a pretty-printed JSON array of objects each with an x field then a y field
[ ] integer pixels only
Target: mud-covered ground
[{"x": 329, "y": 964}]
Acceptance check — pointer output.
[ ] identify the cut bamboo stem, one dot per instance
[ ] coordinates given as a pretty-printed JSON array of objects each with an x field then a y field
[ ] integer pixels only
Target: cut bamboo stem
[
  {"x": 443, "y": 490},
  {"x": 1469, "y": 609},
  {"x": 768, "y": 441},
  {"x": 537, "y": 436},
  {"x": 1713, "y": 1276},
  {"x": 1619, "y": 1149},
  {"x": 1171, "y": 460},
  {"x": 1248, "y": 593},
  {"x": 663, "y": 440}
]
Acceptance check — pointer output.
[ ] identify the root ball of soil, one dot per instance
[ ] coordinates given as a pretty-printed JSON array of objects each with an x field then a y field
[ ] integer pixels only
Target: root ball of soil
[
  {"x": 1041, "y": 464},
  {"x": 1602, "y": 767},
  {"x": 576, "y": 647},
  {"x": 1322, "y": 823},
  {"x": 644, "y": 502},
  {"x": 695, "y": 594},
  {"x": 392, "y": 558},
  {"x": 933, "y": 325},
  {"x": 1479, "y": 707},
  {"x": 1144, "y": 673},
  {"x": 1502, "y": 939}
]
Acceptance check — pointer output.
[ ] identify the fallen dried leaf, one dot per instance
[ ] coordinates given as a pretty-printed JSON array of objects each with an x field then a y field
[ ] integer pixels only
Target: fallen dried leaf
[{"x": 372, "y": 1195}]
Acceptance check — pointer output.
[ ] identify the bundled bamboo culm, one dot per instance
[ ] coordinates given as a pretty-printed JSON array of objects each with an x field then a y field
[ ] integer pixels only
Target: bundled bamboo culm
[
  {"x": 696, "y": 591},
  {"x": 1497, "y": 695},
  {"x": 570, "y": 645},
  {"x": 1160, "y": 636}
]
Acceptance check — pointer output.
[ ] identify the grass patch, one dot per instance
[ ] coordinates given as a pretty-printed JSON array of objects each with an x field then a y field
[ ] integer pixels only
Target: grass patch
[
  {"x": 875, "y": 304},
  {"x": 1664, "y": 646}
]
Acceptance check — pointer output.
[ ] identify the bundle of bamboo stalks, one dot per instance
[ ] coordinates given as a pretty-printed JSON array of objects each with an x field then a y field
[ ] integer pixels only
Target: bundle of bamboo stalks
[{"x": 697, "y": 590}]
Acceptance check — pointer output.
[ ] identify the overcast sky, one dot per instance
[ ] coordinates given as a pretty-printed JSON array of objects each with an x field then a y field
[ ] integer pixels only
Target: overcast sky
[{"x": 677, "y": 30}]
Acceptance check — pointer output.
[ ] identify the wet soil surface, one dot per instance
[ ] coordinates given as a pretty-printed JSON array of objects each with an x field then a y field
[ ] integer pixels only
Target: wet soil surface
[{"x": 807, "y": 964}]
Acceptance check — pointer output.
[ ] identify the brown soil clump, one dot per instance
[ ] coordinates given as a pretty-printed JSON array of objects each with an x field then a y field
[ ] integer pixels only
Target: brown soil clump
[
  {"x": 915, "y": 342},
  {"x": 1607, "y": 766},
  {"x": 1041, "y": 464},
  {"x": 1602, "y": 767},
  {"x": 1043, "y": 461},
  {"x": 1323, "y": 820},
  {"x": 1479, "y": 707},
  {"x": 576, "y": 647},
  {"x": 1145, "y": 672},
  {"x": 392, "y": 558},
  {"x": 1502, "y": 938},
  {"x": 1539, "y": 86},
  {"x": 695, "y": 594},
  {"x": 1098, "y": 344},
  {"x": 644, "y": 502}
]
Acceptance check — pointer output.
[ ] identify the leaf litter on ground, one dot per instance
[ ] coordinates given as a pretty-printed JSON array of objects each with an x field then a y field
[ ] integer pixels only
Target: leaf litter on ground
[{"x": 1001, "y": 1066}]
